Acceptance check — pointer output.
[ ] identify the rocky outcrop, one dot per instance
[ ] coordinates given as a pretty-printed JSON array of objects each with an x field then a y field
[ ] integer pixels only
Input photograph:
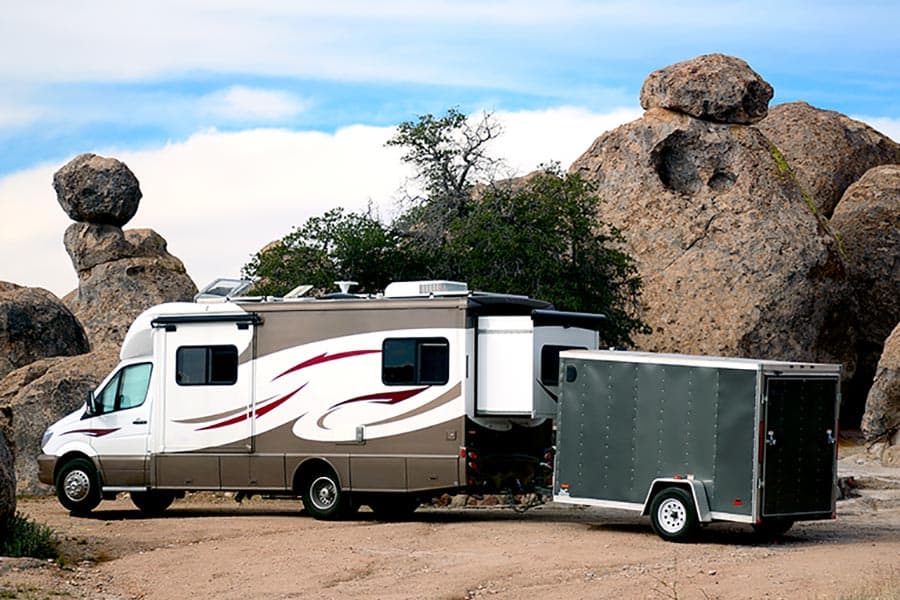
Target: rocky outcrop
[
  {"x": 120, "y": 273},
  {"x": 713, "y": 87},
  {"x": 7, "y": 485},
  {"x": 37, "y": 395},
  {"x": 34, "y": 324},
  {"x": 868, "y": 221},
  {"x": 881, "y": 421},
  {"x": 96, "y": 189},
  {"x": 733, "y": 260},
  {"x": 826, "y": 150}
]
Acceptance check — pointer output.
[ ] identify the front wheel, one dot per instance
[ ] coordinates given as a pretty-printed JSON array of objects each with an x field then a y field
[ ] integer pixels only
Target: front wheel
[
  {"x": 673, "y": 516},
  {"x": 323, "y": 497},
  {"x": 78, "y": 486},
  {"x": 153, "y": 502}
]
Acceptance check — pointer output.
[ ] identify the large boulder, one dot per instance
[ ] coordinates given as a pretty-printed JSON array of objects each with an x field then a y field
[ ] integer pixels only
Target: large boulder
[
  {"x": 868, "y": 221},
  {"x": 826, "y": 150},
  {"x": 881, "y": 421},
  {"x": 39, "y": 394},
  {"x": 34, "y": 324},
  {"x": 121, "y": 274},
  {"x": 96, "y": 189},
  {"x": 734, "y": 262},
  {"x": 714, "y": 87},
  {"x": 7, "y": 485}
]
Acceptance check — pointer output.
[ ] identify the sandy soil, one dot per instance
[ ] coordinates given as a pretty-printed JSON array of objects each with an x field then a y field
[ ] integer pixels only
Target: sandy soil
[{"x": 207, "y": 546}]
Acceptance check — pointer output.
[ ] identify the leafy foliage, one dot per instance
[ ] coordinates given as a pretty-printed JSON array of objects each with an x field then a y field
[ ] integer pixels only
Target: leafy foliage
[
  {"x": 538, "y": 236},
  {"x": 27, "y": 538}
]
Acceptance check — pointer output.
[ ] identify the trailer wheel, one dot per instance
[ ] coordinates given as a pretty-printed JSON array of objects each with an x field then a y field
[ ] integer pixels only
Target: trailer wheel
[
  {"x": 153, "y": 502},
  {"x": 772, "y": 529},
  {"x": 393, "y": 507},
  {"x": 78, "y": 486},
  {"x": 673, "y": 516},
  {"x": 323, "y": 498}
]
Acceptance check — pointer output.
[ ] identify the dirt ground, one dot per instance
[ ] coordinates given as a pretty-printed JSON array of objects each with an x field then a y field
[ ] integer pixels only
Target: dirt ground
[{"x": 208, "y": 546}]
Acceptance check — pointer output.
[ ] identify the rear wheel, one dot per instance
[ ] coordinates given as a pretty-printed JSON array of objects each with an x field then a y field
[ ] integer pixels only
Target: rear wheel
[
  {"x": 153, "y": 502},
  {"x": 78, "y": 486},
  {"x": 323, "y": 498},
  {"x": 673, "y": 516}
]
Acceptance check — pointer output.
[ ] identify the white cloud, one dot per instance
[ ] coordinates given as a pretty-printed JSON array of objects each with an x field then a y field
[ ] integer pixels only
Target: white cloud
[
  {"x": 243, "y": 104},
  {"x": 219, "y": 197}
]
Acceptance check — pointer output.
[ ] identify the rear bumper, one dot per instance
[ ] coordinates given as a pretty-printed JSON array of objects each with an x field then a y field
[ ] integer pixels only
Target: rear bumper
[{"x": 46, "y": 468}]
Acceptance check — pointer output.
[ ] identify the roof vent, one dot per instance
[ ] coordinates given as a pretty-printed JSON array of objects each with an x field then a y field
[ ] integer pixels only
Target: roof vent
[
  {"x": 222, "y": 289},
  {"x": 423, "y": 289}
]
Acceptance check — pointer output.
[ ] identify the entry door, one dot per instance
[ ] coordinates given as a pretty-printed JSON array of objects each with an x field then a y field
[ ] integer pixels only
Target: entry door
[
  {"x": 800, "y": 446},
  {"x": 208, "y": 391}
]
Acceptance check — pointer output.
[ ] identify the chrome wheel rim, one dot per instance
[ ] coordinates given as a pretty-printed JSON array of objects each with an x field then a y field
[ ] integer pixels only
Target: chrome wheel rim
[
  {"x": 323, "y": 493},
  {"x": 671, "y": 515},
  {"x": 77, "y": 485}
]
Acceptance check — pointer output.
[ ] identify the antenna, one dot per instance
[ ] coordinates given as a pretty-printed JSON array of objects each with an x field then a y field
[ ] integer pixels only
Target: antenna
[{"x": 345, "y": 286}]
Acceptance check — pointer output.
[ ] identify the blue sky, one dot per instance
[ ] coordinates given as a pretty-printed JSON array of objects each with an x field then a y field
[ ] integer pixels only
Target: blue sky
[{"x": 287, "y": 104}]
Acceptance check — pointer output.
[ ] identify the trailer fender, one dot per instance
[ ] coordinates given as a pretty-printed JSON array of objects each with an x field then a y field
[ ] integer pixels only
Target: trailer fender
[{"x": 694, "y": 486}]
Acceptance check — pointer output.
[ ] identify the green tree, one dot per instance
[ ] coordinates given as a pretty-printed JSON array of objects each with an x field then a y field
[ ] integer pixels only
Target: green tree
[{"x": 337, "y": 245}]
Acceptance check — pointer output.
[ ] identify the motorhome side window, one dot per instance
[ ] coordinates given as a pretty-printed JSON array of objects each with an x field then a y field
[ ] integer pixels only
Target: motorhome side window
[
  {"x": 415, "y": 361},
  {"x": 206, "y": 365},
  {"x": 550, "y": 362},
  {"x": 127, "y": 389}
]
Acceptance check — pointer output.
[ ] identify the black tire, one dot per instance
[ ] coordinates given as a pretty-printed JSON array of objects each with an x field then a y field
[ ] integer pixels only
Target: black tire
[
  {"x": 78, "y": 486},
  {"x": 772, "y": 529},
  {"x": 323, "y": 498},
  {"x": 154, "y": 502},
  {"x": 673, "y": 515},
  {"x": 393, "y": 507}
]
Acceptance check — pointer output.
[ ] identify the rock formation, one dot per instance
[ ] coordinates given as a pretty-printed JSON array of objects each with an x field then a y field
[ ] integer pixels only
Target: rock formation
[
  {"x": 826, "y": 150},
  {"x": 37, "y": 395},
  {"x": 120, "y": 273},
  {"x": 733, "y": 259},
  {"x": 34, "y": 324},
  {"x": 713, "y": 87},
  {"x": 7, "y": 484},
  {"x": 881, "y": 421},
  {"x": 868, "y": 221},
  {"x": 95, "y": 189}
]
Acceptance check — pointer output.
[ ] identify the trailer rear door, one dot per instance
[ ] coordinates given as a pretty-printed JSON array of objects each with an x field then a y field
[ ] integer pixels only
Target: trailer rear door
[{"x": 799, "y": 438}]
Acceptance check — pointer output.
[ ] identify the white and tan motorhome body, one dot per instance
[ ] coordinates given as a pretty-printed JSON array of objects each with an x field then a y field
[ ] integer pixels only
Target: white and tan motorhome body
[{"x": 406, "y": 395}]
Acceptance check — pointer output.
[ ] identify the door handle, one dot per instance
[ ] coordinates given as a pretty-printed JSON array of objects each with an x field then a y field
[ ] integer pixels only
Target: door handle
[{"x": 140, "y": 422}]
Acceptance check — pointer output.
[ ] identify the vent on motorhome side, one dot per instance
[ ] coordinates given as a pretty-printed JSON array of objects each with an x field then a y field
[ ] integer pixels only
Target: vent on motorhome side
[{"x": 418, "y": 289}]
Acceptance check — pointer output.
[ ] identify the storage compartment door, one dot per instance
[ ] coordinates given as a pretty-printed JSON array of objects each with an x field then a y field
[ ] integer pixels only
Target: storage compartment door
[
  {"x": 504, "y": 366},
  {"x": 800, "y": 447}
]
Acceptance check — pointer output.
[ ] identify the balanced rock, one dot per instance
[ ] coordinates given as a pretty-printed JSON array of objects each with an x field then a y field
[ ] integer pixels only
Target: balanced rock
[
  {"x": 95, "y": 189},
  {"x": 881, "y": 421},
  {"x": 34, "y": 324},
  {"x": 868, "y": 220},
  {"x": 39, "y": 394},
  {"x": 733, "y": 260},
  {"x": 7, "y": 485},
  {"x": 120, "y": 274},
  {"x": 827, "y": 151},
  {"x": 713, "y": 87}
]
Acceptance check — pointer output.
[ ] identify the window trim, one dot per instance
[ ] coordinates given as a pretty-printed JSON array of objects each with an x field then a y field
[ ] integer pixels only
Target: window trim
[{"x": 417, "y": 353}]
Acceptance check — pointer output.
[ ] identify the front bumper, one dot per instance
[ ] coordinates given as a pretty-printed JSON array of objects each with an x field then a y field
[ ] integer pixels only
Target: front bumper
[{"x": 46, "y": 468}]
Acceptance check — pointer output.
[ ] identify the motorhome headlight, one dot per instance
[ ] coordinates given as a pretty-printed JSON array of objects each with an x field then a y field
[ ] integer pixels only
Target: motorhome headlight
[{"x": 47, "y": 435}]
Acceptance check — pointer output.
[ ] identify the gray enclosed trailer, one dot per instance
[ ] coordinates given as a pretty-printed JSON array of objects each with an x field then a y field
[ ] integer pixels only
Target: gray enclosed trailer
[{"x": 688, "y": 440}]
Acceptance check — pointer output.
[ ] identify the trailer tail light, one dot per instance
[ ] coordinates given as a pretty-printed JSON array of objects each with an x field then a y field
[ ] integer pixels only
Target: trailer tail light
[
  {"x": 738, "y": 502},
  {"x": 473, "y": 455},
  {"x": 462, "y": 452},
  {"x": 473, "y": 466}
]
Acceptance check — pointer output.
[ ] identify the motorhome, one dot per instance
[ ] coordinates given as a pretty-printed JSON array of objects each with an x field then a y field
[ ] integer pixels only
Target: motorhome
[{"x": 342, "y": 400}]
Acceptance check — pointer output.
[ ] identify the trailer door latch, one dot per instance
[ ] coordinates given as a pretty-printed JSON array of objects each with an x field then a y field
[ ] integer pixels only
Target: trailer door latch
[
  {"x": 830, "y": 437},
  {"x": 770, "y": 438}
]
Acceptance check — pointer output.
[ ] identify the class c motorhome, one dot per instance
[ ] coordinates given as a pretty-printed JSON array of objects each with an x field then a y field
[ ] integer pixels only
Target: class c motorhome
[{"x": 343, "y": 401}]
